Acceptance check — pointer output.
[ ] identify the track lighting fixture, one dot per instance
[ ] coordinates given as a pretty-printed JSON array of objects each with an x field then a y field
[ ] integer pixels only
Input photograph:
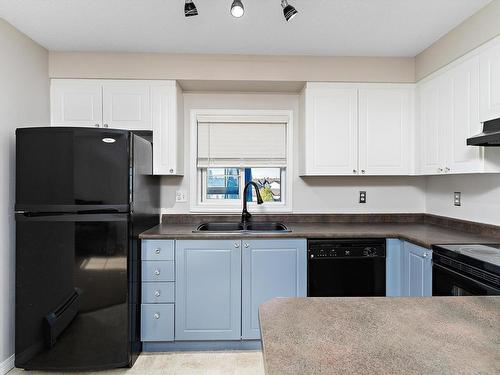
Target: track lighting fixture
[
  {"x": 237, "y": 8},
  {"x": 190, "y": 9},
  {"x": 288, "y": 11}
]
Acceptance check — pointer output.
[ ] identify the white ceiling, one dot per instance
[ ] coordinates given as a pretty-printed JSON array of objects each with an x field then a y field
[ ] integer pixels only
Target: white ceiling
[{"x": 323, "y": 27}]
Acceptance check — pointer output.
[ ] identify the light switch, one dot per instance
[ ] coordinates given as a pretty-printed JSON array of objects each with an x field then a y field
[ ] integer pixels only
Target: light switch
[{"x": 457, "y": 198}]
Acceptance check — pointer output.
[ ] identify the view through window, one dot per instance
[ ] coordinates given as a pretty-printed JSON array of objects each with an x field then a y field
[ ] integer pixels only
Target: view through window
[{"x": 228, "y": 183}]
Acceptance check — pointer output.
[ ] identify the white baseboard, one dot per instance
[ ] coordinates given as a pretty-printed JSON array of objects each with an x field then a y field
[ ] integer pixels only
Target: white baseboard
[{"x": 7, "y": 365}]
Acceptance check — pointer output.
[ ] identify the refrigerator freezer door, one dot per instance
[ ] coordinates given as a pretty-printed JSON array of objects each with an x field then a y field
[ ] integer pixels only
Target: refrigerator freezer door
[
  {"x": 74, "y": 277},
  {"x": 72, "y": 169}
]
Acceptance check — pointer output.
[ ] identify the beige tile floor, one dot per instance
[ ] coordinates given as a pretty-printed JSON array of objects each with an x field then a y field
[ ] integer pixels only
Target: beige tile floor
[{"x": 185, "y": 363}]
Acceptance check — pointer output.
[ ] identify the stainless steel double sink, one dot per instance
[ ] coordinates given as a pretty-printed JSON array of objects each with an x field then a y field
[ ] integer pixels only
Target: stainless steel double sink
[{"x": 239, "y": 227}]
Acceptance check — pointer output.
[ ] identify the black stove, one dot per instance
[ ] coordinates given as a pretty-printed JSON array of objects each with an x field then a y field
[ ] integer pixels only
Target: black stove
[{"x": 472, "y": 269}]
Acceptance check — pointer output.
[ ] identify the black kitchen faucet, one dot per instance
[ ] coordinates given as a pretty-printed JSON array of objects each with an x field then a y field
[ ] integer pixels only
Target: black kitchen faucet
[{"x": 245, "y": 215}]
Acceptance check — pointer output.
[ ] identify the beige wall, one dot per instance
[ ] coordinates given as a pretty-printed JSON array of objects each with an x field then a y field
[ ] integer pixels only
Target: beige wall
[
  {"x": 474, "y": 31},
  {"x": 24, "y": 101},
  {"x": 229, "y": 67},
  {"x": 480, "y": 197}
]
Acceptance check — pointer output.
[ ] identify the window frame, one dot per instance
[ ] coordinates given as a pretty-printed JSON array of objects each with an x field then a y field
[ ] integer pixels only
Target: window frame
[{"x": 197, "y": 205}]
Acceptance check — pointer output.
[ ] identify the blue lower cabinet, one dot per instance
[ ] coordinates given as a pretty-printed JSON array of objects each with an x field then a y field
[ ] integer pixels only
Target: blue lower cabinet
[
  {"x": 270, "y": 268},
  {"x": 157, "y": 322},
  {"x": 393, "y": 269},
  {"x": 417, "y": 268},
  {"x": 208, "y": 290}
]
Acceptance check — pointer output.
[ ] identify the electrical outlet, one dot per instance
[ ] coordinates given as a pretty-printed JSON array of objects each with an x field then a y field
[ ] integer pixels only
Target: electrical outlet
[
  {"x": 180, "y": 196},
  {"x": 362, "y": 197},
  {"x": 457, "y": 198}
]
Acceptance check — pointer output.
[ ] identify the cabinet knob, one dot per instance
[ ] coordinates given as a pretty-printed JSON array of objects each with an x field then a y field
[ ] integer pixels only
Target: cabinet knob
[
  {"x": 354, "y": 171},
  {"x": 171, "y": 170},
  {"x": 157, "y": 293},
  {"x": 447, "y": 169},
  {"x": 157, "y": 272},
  {"x": 236, "y": 244},
  {"x": 96, "y": 125},
  {"x": 246, "y": 245},
  {"x": 157, "y": 315},
  {"x": 105, "y": 126},
  {"x": 425, "y": 255},
  {"x": 363, "y": 171},
  {"x": 440, "y": 170},
  {"x": 157, "y": 251}
]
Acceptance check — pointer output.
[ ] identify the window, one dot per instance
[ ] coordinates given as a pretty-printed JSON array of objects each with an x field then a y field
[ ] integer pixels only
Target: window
[
  {"x": 234, "y": 150},
  {"x": 228, "y": 183}
]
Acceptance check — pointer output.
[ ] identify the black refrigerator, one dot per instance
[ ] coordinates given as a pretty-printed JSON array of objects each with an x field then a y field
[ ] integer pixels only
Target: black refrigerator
[{"x": 82, "y": 197}]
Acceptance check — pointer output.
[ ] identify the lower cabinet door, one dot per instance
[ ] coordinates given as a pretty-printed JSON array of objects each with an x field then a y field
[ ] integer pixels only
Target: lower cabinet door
[
  {"x": 270, "y": 268},
  {"x": 417, "y": 271},
  {"x": 208, "y": 290},
  {"x": 157, "y": 322},
  {"x": 393, "y": 270}
]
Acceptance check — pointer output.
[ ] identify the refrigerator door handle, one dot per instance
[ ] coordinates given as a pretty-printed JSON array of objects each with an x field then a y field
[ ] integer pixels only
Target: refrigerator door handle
[{"x": 59, "y": 319}]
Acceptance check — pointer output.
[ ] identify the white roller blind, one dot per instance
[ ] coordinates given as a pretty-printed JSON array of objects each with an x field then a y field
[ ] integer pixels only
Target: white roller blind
[{"x": 230, "y": 144}]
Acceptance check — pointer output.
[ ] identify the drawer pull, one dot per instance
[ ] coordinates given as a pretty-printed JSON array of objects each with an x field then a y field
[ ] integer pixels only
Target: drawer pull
[
  {"x": 157, "y": 251},
  {"x": 157, "y": 315},
  {"x": 157, "y": 272},
  {"x": 157, "y": 293}
]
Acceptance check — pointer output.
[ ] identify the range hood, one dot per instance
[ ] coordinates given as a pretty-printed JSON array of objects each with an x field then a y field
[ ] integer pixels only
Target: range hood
[{"x": 489, "y": 137}]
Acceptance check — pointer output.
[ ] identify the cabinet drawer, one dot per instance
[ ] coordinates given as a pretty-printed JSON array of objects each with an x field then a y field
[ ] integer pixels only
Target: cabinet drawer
[
  {"x": 160, "y": 292},
  {"x": 157, "y": 322},
  {"x": 157, "y": 250},
  {"x": 158, "y": 271}
]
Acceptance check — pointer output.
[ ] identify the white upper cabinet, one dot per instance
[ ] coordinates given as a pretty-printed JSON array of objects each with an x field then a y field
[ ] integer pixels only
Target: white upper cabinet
[
  {"x": 76, "y": 103},
  {"x": 432, "y": 135},
  {"x": 331, "y": 130},
  {"x": 121, "y": 104},
  {"x": 130, "y": 105},
  {"x": 490, "y": 82},
  {"x": 168, "y": 128},
  {"x": 463, "y": 84},
  {"x": 449, "y": 114},
  {"x": 385, "y": 130},
  {"x": 126, "y": 105},
  {"x": 342, "y": 135}
]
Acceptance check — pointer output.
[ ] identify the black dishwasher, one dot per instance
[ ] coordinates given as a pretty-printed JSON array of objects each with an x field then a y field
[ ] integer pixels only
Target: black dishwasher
[{"x": 346, "y": 267}]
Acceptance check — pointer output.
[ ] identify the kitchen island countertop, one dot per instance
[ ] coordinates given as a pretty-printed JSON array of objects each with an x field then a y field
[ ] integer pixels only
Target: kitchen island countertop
[{"x": 429, "y": 335}]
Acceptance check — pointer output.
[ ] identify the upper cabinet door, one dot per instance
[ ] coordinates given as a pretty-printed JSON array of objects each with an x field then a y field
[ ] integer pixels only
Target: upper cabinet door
[
  {"x": 463, "y": 82},
  {"x": 76, "y": 103},
  {"x": 385, "y": 130},
  {"x": 168, "y": 128},
  {"x": 490, "y": 83},
  {"x": 432, "y": 151},
  {"x": 331, "y": 131},
  {"x": 126, "y": 105}
]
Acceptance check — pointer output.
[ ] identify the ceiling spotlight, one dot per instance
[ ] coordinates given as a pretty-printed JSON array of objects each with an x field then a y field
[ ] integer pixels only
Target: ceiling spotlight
[
  {"x": 288, "y": 10},
  {"x": 237, "y": 8},
  {"x": 190, "y": 9}
]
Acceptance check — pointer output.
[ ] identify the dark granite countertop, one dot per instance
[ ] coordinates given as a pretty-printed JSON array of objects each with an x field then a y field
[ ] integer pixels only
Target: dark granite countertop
[
  {"x": 430, "y": 335},
  {"x": 424, "y": 235}
]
